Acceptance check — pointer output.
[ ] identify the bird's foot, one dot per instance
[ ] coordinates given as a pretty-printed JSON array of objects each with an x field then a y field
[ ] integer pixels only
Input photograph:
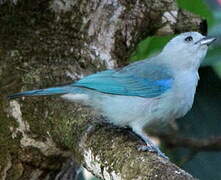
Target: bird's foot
[{"x": 153, "y": 150}]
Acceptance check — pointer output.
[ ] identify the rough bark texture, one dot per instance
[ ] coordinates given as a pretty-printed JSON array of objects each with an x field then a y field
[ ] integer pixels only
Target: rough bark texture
[{"x": 44, "y": 43}]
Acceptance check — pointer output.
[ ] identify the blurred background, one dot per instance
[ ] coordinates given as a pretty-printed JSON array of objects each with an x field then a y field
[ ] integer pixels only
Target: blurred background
[{"x": 203, "y": 123}]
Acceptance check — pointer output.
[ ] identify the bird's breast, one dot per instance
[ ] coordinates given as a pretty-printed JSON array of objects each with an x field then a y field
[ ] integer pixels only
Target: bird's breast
[{"x": 183, "y": 91}]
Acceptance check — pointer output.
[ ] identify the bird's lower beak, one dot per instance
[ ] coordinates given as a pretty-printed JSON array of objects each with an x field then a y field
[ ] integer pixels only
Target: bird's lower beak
[{"x": 207, "y": 41}]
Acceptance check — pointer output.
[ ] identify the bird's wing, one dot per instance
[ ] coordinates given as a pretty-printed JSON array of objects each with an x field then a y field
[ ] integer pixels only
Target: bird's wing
[{"x": 138, "y": 79}]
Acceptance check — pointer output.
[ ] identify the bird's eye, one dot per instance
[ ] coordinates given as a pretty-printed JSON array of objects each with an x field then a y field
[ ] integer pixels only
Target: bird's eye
[{"x": 189, "y": 39}]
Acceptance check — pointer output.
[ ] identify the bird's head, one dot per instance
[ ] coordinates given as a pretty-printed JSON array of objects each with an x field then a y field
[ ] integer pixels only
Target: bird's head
[{"x": 187, "y": 50}]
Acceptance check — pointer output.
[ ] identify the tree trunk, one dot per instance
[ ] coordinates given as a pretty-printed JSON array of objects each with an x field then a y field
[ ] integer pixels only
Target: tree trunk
[{"x": 44, "y": 43}]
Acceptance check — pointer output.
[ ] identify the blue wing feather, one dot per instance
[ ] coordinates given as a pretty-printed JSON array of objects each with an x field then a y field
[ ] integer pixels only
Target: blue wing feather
[{"x": 143, "y": 80}]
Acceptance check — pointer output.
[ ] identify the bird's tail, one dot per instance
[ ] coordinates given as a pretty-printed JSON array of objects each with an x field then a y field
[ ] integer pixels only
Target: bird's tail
[{"x": 42, "y": 92}]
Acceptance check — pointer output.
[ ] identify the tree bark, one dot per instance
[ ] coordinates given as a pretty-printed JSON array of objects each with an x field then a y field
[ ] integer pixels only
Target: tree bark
[{"x": 44, "y": 43}]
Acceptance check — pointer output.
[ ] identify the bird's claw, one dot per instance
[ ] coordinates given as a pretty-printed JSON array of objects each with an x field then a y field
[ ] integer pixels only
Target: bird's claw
[
  {"x": 152, "y": 149},
  {"x": 146, "y": 148}
]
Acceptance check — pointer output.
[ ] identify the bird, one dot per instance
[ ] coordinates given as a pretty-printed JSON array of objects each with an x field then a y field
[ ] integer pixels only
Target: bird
[{"x": 160, "y": 88}]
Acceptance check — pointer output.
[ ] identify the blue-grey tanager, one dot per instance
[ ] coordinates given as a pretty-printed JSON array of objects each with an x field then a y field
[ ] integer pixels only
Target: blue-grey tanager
[{"x": 160, "y": 88}]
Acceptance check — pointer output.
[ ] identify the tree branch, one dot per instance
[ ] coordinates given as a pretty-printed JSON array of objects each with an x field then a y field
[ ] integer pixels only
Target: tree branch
[
  {"x": 205, "y": 144},
  {"x": 115, "y": 156}
]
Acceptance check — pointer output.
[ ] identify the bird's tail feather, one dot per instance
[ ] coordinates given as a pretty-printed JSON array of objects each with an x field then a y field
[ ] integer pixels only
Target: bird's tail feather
[{"x": 41, "y": 92}]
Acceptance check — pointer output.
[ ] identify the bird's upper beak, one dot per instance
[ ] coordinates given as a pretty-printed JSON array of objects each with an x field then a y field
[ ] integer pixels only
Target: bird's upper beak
[{"x": 206, "y": 41}]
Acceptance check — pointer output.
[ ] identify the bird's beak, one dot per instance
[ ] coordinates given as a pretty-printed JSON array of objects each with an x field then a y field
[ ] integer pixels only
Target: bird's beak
[{"x": 206, "y": 41}]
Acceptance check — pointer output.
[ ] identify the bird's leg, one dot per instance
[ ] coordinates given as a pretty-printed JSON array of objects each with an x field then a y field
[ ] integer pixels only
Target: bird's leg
[{"x": 149, "y": 145}]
